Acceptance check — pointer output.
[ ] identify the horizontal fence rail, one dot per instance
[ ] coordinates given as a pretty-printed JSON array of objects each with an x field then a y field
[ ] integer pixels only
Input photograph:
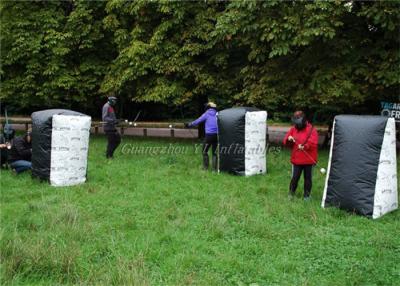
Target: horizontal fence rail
[
  {"x": 145, "y": 129},
  {"x": 159, "y": 129}
]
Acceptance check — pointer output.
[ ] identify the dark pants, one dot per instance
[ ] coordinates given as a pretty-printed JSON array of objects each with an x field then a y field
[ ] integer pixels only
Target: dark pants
[
  {"x": 3, "y": 160},
  {"x": 113, "y": 139},
  {"x": 21, "y": 165},
  {"x": 296, "y": 174},
  {"x": 211, "y": 140}
]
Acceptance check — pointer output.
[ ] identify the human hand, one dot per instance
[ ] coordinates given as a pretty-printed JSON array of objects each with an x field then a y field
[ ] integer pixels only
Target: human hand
[
  {"x": 291, "y": 139},
  {"x": 301, "y": 147}
]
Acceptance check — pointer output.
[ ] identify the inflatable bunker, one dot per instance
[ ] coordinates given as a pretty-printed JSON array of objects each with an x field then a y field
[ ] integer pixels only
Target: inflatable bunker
[
  {"x": 60, "y": 143},
  {"x": 242, "y": 140},
  {"x": 362, "y": 174}
]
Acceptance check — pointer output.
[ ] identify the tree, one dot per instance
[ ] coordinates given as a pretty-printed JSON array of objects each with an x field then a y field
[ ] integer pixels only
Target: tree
[
  {"x": 277, "y": 55},
  {"x": 166, "y": 52},
  {"x": 315, "y": 54},
  {"x": 53, "y": 53}
]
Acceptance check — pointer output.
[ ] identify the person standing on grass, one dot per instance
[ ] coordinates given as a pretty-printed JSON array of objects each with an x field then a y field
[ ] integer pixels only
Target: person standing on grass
[
  {"x": 110, "y": 121},
  {"x": 211, "y": 138},
  {"x": 20, "y": 154},
  {"x": 303, "y": 139}
]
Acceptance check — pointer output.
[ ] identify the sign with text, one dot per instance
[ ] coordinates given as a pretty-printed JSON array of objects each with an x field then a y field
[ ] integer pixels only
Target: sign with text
[{"x": 391, "y": 109}]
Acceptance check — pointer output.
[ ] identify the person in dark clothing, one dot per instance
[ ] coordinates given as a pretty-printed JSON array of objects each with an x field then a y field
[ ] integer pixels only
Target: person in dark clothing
[
  {"x": 211, "y": 138},
  {"x": 328, "y": 136},
  {"x": 303, "y": 139},
  {"x": 19, "y": 156},
  {"x": 8, "y": 132},
  {"x": 5, "y": 144},
  {"x": 110, "y": 121},
  {"x": 3, "y": 151}
]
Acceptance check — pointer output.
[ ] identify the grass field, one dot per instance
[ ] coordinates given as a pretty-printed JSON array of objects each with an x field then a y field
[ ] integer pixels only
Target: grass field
[{"x": 161, "y": 220}]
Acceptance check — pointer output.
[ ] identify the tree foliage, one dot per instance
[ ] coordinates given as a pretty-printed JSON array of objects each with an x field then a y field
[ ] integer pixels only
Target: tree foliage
[
  {"x": 276, "y": 55},
  {"x": 52, "y": 52}
]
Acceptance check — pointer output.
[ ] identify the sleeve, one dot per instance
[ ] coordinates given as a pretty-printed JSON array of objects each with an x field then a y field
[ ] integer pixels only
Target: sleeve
[
  {"x": 104, "y": 113},
  {"x": 106, "y": 116},
  {"x": 199, "y": 120},
  {"x": 312, "y": 142},
  {"x": 285, "y": 140}
]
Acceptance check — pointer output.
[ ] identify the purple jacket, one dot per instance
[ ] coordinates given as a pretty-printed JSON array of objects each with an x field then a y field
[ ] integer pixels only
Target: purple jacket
[{"x": 210, "y": 118}]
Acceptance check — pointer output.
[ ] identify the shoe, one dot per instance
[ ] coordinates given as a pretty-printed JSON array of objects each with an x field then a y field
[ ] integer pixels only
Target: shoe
[{"x": 307, "y": 199}]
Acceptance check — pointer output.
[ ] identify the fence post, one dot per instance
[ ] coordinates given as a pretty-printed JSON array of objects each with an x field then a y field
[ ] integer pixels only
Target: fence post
[{"x": 144, "y": 132}]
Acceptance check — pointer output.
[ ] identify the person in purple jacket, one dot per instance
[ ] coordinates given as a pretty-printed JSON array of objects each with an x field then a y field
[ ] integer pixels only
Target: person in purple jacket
[{"x": 211, "y": 139}]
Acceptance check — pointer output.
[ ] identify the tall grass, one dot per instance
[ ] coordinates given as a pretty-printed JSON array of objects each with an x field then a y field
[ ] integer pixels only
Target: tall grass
[{"x": 161, "y": 220}]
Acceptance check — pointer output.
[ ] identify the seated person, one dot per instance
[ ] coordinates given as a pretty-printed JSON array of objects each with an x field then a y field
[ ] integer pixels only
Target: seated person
[{"x": 19, "y": 156}]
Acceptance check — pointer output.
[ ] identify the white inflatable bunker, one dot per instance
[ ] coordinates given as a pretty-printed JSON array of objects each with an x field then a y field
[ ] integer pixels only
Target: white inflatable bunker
[{"x": 60, "y": 144}]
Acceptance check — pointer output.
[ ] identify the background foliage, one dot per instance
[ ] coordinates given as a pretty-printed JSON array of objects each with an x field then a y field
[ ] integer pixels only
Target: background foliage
[{"x": 325, "y": 57}]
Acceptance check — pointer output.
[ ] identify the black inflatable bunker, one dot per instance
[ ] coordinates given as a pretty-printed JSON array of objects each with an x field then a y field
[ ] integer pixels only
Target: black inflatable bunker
[
  {"x": 362, "y": 174},
  {"x": 242, "y": 140}
]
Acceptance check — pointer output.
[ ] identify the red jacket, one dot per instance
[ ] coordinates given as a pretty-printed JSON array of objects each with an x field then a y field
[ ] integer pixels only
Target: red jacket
[{"x": 309, "y": 155}]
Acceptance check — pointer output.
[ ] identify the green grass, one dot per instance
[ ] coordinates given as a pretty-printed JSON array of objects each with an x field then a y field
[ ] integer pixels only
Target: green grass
[{"x": 161, "y": 220}]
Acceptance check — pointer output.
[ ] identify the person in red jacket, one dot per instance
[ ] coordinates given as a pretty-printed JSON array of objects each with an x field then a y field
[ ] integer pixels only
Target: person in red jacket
[{"x": 303, "y": 139}]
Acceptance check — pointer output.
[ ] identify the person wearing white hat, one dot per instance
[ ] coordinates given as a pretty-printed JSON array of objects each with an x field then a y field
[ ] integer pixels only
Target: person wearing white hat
[{"x": 209, "y": 117}]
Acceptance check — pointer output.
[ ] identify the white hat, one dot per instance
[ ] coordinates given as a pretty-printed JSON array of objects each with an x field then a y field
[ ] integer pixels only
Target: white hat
[{"x": 211, "y": 104}]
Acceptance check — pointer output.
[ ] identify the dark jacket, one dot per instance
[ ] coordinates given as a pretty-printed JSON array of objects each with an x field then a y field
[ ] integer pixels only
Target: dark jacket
[
  {"x": 3, "y": 151},
  {"x": 20, "y": 150},
  {"x": 109, "y": 118}
]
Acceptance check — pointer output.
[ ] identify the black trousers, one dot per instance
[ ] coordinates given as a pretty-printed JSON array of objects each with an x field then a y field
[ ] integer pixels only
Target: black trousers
[
  {"x": 296, "y": 174},
  {"x": 114, "y": 139},
  {"x": 210, "y": 141}
]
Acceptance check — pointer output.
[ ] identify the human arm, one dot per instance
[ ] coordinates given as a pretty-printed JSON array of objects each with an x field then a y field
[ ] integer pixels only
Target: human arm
[
  {"x": 108, "y": 115},
  {"x": 199, "y": 120},
  {"x": 312, "y": 141},
  {"x": 289, "y": 139}
]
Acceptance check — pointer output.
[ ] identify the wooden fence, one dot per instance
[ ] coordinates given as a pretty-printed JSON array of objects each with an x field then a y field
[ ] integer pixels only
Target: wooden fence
[
  {"x": 122, "y": 126},
  {"x": 275, "y": 134}
]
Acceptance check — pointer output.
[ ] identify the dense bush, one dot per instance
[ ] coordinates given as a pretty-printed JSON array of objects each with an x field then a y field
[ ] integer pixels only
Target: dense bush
[{"x": 329, "y": 57}]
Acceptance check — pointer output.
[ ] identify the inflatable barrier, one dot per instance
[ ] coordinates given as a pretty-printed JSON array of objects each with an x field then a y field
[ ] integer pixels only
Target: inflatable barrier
[
  {"x": 362, "y": 173},
  {"x": 242, "y": 134},
  {"x": 60, "y": 144}
]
